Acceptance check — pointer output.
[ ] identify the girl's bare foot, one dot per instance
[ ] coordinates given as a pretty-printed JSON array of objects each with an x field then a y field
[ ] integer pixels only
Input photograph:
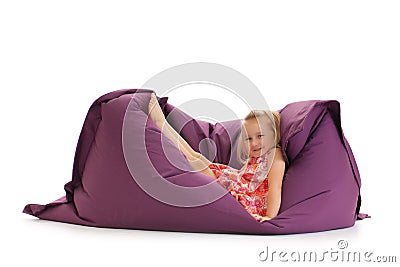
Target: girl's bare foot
[{"x": 155, "y": 112}]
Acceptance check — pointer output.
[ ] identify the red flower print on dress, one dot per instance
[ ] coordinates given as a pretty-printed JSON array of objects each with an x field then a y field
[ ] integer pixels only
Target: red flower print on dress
[{"x": 249, "y": 185}]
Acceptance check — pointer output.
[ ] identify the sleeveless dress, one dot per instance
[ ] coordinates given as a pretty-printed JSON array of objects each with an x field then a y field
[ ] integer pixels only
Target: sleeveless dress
[{"x": 249, "y": 185}]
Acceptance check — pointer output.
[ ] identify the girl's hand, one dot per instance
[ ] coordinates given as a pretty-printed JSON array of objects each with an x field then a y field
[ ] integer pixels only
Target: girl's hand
[
  {"x": 265, "y": 218},
  {"x": 262, "y": 218}
]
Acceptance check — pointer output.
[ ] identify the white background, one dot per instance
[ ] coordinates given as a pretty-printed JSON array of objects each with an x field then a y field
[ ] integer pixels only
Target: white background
[{"x": 57, "y": 57}]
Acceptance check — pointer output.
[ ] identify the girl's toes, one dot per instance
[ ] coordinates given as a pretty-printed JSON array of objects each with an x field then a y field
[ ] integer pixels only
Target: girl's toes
[{"x": 155, "y": 111}]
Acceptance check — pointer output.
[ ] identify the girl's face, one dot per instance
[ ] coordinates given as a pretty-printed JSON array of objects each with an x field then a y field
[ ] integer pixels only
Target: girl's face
[{"x": 258, "y": 139}]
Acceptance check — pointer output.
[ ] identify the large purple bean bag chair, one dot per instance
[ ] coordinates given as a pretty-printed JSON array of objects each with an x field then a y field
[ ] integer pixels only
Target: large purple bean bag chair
[{"x": 320, "y": 190}]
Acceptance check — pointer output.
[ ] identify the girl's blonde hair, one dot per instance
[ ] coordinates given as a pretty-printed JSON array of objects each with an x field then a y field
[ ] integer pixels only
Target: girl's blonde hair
[{"x": 273, "y": 122}]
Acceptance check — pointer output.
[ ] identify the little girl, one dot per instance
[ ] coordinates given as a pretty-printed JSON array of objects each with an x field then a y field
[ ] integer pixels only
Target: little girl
[{"x": 257, "y": 185}]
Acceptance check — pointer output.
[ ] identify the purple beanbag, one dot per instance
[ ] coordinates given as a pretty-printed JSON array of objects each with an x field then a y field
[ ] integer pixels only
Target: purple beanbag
[{"x": 112, "y": 182}]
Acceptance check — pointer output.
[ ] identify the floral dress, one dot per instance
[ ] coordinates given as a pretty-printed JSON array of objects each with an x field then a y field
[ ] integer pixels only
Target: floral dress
[{"x": 249, "y": 185}]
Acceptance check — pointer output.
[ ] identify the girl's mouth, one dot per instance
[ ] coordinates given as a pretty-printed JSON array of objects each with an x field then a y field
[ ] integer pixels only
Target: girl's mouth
[{"x": 256, "y": 150}]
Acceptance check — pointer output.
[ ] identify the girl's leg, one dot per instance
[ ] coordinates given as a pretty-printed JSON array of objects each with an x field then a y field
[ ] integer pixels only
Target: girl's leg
[{"x": 197, "y": 161}]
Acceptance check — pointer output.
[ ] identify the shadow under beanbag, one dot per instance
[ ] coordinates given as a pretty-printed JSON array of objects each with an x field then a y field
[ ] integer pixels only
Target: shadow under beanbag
[{"x": 320, "y": 190}]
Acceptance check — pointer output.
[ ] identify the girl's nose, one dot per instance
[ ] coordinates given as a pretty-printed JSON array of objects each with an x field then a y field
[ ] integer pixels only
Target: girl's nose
[{"x": 255, "y": 143}]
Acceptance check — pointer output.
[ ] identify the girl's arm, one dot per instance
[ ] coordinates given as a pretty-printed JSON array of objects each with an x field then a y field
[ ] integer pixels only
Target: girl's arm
[{"x": 275, "y": 178}]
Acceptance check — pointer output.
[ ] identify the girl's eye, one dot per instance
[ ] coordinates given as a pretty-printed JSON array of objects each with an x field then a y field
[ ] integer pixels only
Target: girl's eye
[{"x": 249, "y": 138}]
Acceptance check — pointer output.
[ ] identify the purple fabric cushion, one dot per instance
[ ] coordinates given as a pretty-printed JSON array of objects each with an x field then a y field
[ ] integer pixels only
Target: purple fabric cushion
[{"x": 321, "y": 186}]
